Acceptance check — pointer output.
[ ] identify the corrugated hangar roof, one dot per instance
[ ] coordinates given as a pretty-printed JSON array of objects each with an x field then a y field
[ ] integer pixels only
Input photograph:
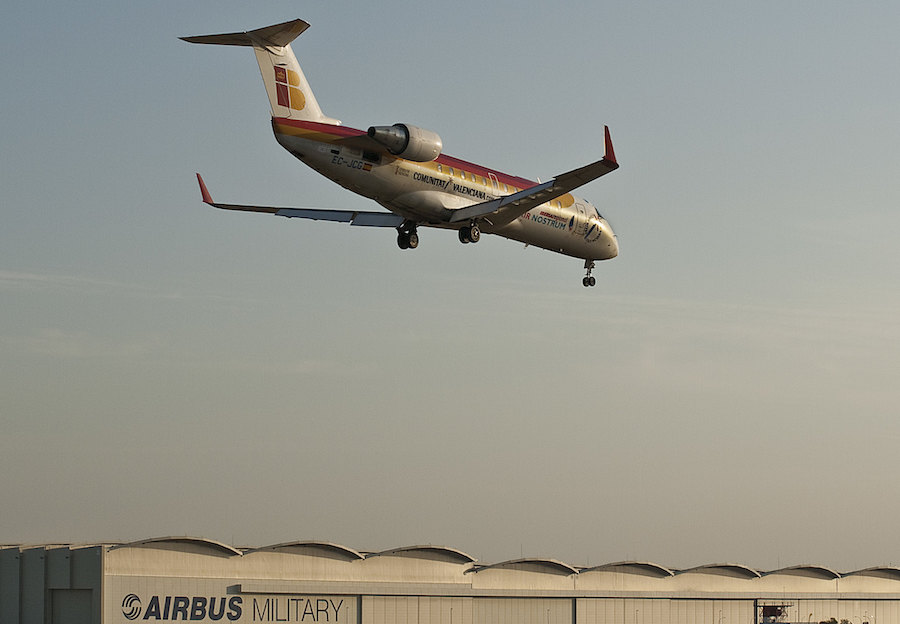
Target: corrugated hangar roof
[
  {"x": 312, "y": 548},
  {"x": 889, "y": 572},
  {"x": 197, "y": 544},
  {"x": 443, "y": 554},
  {"x": 735, "y": 570},
  {"x": 808, "y": 571},
  {"x": 433, "y": 553},
  {"x": 546, "y": 566},
  {"x": 643, "y": 568}
]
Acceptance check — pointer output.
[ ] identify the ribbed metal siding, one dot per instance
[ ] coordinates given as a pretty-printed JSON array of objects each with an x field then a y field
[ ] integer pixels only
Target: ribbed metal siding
[
  {"x": 416, "y": 610},
  {"x": 40, "y": 585},
  {"x": 662, "y": 611},
  {"x": 9, "y": 585},
  {"x": 522, "y": 611},
  {"x": 857, "y": 611}
]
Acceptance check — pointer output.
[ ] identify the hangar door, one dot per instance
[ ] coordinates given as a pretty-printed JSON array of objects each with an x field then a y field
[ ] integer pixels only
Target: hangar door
[
  {"x": 416, "y": 610},
  {"x": 523, "y": 611},
  {"x": 71, "y": 606},
  {"x": 663, "y": 611}
]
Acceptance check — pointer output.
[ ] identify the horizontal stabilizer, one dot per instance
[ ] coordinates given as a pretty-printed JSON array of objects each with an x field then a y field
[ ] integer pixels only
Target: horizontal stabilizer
[
  {"x": 353, "y": 217},
  {"x": 278, "y": 36},
  {"x": 290, "y": 95}
]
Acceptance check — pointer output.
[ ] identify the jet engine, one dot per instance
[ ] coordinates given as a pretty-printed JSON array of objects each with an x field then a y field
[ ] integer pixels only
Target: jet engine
[{"x": 408, "y": 141}]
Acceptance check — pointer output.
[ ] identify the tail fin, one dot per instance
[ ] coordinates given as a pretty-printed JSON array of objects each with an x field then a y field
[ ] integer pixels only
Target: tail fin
[{"x": 289, "y": 92}]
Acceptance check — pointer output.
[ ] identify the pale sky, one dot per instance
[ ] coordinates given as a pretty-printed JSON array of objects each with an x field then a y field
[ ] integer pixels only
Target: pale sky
[{"x": 729, "y": 391}]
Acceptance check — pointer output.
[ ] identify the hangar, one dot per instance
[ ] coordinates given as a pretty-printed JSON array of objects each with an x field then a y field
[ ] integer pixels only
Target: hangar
[{"x": 194, "y": 579}]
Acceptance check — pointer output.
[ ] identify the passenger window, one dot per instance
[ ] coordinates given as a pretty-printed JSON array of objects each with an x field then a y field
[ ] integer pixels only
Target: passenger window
[
  {"x": 451, "y": 170},
  {"x": 440, "y": 168}
]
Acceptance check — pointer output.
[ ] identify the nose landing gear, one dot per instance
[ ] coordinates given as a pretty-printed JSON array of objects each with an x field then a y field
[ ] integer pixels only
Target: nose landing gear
[{"x": 589, "y": 279}]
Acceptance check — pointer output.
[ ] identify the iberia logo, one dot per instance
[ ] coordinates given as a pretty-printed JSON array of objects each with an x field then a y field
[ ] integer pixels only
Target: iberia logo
[{"x": 285, "y": 82}]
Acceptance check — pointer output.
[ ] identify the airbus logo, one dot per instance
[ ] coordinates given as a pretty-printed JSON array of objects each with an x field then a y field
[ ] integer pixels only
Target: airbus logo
[
  {"x": 195, "y": 608},
  {"x": 131, "y": 607}
]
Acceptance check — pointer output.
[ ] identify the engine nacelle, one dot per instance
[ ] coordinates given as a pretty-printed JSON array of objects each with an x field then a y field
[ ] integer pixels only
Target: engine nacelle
[{"x": 409, "y": 142}]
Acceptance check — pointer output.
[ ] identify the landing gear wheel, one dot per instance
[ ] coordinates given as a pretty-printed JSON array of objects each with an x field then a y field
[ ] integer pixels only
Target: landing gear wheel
[
  {"x": 469, "y": 234},
  {"x": 407, "y": 237},
  {"x": 589, "y": 280}
]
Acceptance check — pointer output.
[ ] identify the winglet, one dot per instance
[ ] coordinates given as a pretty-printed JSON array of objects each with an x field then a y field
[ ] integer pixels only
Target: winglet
[
  {"x": 204, "y": 192},
  {"x": 610, "y": 155}
]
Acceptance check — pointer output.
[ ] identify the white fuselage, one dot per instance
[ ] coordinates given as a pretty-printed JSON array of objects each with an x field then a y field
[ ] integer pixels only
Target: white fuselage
[{"x": 425, "y": 193}]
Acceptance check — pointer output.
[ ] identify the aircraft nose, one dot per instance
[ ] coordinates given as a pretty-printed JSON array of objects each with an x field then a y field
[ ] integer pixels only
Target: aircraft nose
[{"x": 612, "y": 241}]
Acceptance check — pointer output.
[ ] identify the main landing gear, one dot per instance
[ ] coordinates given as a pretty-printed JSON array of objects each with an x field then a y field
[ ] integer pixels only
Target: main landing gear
[
  {"x": 469, "y": 234},
  {"x": 407, "y": 236},
  {"x": 589, "y": 279}
]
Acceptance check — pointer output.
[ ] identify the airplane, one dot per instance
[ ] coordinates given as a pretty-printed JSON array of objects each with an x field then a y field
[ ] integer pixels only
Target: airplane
[{"x": 402, "y": 168}]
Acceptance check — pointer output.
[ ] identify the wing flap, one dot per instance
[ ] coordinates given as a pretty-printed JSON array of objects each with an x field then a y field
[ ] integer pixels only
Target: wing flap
[
  {"x": 353, "y": 217},
  {"x": 340, "y": 216},
  {"x": 377, "y": 219}
]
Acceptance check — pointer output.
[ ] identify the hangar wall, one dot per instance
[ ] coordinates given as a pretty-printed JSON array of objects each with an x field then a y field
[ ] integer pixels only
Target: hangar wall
[
  {"x": 639, "y": 610},
  {"x": 416, "y": 610},
  {"x": 191, "y": 579},
  {"x": 56, "y": 584}
]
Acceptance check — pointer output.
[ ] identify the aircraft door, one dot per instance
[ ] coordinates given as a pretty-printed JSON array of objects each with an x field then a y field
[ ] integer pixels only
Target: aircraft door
[{"x": 578, "y": 222}]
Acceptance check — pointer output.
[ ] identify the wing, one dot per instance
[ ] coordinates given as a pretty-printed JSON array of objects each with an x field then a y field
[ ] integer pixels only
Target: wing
[
  {"x": 353, "y": 217},
  {"x": 506, "y": 209}
]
